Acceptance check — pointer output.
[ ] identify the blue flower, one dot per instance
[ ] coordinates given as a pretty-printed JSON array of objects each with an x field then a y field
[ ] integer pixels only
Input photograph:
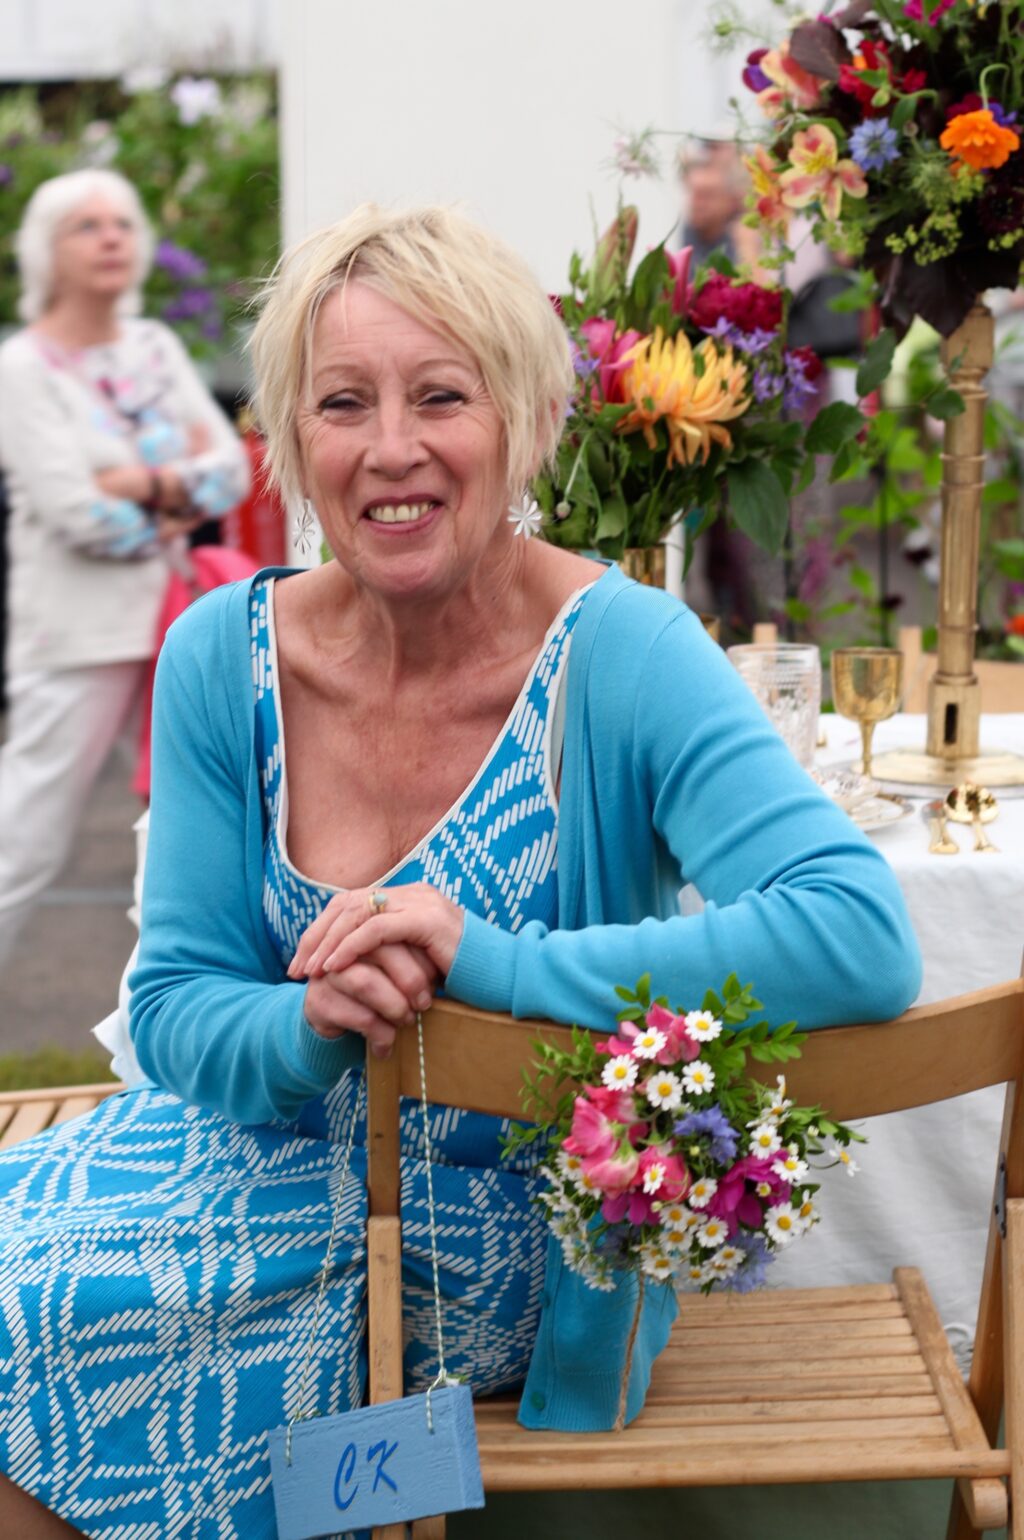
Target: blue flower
[
  {"x": 750, "y": 1273},
  {"x": 767, "y": 384},
  {"x": 180, "y": 263},
  {"x": 873, "y": 144},
  {"x": 797, "y": 389},
  {"x": 712, "y": 1120}
]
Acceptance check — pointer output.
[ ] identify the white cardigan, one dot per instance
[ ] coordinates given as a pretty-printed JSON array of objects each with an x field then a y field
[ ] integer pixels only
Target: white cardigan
[{"x": 86, "y": 575}]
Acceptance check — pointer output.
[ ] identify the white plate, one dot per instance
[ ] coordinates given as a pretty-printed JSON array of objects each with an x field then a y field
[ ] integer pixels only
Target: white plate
[{"x": 879, "y": 812}]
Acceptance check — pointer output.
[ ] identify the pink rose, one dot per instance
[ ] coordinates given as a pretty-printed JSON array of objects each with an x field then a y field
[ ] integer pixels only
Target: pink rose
[{"x": 617, "y": 1105}]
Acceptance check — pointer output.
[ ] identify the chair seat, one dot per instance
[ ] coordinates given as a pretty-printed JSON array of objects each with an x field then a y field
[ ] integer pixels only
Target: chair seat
[
  {"x": 24, "y": 1113},
  {"x": 855, "y": 1383}
]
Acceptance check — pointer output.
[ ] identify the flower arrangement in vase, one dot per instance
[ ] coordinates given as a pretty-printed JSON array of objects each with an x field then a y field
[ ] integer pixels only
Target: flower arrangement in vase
[
  {"x": 894, "y": 125},
  {"x": 679, "y": 411}
]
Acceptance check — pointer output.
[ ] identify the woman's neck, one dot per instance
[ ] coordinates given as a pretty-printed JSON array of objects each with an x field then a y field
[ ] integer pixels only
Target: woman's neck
[{"x": 80, "y": 321}]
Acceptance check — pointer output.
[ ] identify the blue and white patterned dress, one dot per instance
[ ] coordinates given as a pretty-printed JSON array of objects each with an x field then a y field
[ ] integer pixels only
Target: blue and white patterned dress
[{"x": 158, "y": 1262}]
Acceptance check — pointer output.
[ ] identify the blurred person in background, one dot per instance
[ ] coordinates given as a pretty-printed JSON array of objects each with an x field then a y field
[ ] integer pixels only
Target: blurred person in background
[
  {"x": 113, "y": 451},
  {"x": 714, "y": 188}
]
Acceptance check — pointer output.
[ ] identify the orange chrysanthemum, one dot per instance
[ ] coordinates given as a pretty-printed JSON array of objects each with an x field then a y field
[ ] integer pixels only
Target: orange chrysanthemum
[
  {"x": 978, "y": 141},
  {"x": 664, "y": 382}
]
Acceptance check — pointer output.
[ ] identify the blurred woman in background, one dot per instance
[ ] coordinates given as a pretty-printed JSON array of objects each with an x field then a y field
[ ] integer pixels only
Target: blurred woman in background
[{"x": 113, "y": 450}]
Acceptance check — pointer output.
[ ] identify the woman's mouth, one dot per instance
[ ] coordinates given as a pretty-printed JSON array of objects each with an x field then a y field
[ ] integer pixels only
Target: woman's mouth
[{"x": 400, "y": 513}]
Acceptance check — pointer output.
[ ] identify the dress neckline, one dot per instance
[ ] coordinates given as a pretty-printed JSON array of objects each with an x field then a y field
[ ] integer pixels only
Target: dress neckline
[{"x": 281, "y": 822}]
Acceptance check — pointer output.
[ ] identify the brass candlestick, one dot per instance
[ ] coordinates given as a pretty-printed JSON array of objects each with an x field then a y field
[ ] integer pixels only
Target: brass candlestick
[{"x": 952, "y": 751}]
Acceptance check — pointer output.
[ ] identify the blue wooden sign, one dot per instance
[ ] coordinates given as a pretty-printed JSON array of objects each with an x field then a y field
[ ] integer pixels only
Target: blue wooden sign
[{"x": 377, "y": 1465}]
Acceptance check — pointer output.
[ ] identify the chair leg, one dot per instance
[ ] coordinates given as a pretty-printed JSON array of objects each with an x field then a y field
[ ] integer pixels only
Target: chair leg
[
  {"x": 1013, "y": 1343},
  {"x": 429, "y": 1529}
]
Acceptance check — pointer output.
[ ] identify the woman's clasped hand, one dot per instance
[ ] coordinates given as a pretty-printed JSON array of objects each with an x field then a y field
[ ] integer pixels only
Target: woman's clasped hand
[{"x": 373, "y": 959}]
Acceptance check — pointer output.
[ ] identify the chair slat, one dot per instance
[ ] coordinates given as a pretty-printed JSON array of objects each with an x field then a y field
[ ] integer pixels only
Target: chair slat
[
  {"x": 74, "y": 1107},
  {"x": 27, "y": 1121},
  {"x": 671, "y": 1412},
  {"x": 810, "y": 1331}
]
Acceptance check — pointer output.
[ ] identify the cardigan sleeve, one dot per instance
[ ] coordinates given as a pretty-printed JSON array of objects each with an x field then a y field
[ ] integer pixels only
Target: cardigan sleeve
[
  {"x": 218, "y": 477},
  {"x": 41, "y": 452},
  {"x": 797, "y": 901},
  {"x": 213, "y": 1018}
]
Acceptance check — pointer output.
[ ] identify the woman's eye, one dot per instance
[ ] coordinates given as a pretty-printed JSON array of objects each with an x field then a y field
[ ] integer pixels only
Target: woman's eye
[
  {"x": 443, "y": 398},
  {"x": 340, "y": 404}
]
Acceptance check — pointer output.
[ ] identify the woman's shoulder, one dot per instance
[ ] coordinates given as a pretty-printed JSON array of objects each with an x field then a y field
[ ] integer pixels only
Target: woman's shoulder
[
  {"x": 626, "y": 618},
  {"x": 21, "y": 357}
]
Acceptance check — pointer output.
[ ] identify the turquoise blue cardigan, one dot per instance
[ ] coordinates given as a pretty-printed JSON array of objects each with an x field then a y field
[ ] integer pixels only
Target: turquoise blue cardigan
[{"x": 670, "y": 774}]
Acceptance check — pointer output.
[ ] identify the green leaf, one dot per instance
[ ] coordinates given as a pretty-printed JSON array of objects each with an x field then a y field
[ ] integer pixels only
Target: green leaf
[
  {"x": 611, "y": 521},
  {"x": 758, "y": 504},
  {"x": 877, "y": 362},
  {"x": 903, "y": 112},
  {"x": 834, "y": 426},
  {"x": 945, "y": 403}
]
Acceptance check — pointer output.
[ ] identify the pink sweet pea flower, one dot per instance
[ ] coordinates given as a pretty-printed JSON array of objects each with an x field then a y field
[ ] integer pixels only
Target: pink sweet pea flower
[
  {"x": 734, "y": 1204},
  {"x": 675, "y": 1179},
  {"x": 617, "y": 1105},
  {"x": 678, "y": 1042},
  {"x": 818, "y": 175},
  {"x": 637, "y": 1207},
  {"x": 611, "y": 352},
  {"x": 612, "y": 1173},
  {"x": 592, "y": 1134}
]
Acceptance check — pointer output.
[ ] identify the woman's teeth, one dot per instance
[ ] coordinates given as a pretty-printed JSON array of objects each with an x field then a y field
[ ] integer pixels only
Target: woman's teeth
[{"x": 402, "y": 513}]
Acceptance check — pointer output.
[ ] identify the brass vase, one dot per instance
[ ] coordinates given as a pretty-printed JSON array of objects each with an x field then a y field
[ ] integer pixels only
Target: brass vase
[
  {"x": 952, "y": 751},
  {"x": 645, "y": 564}
]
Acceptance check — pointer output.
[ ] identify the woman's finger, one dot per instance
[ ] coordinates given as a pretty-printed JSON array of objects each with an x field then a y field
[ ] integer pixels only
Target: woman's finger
[
  {"x": 410, "y": 970},
  {"x": 312, "y": 936}
]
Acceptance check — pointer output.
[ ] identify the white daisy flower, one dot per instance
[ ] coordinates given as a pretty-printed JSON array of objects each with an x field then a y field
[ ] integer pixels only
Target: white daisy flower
[
  {"x": 843, "y": 1156},
  {"x": 807, "y": 1213},
  {"x": 779, "y": 1105},
  {"x": 727, "y": 1260},
  {"x": 657, "y": 1265},
  {"x": 654, "y": 1176},
  {"x": 672, "y": 1214},
  {"x": 702, "y": 1025},
  {"x": 649, "y": 1044},
  {"x": 696, "y": 1274},
  {"x": 702, "y": 1191},
  {"x": 675, "y": 1239},
  {"x": 569, "y": 1165},
  {"x": 763, "y": 1189},
  {"x": 698, "y": 1078},
  {"x": 712, "y": 1233},
  {"x": 663, "y": 1090},
  {"x": 790, "y": 1167},
  {"x": 620, "y": 1073},
  {"x": 782, "y": 1223},
  {"x": 764, "y": 1140}
]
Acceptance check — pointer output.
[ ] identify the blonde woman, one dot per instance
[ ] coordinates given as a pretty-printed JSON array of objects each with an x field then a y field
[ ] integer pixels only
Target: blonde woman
[
  {"x": 453, "y": 754},
  {"x": 112, "y": 449}
]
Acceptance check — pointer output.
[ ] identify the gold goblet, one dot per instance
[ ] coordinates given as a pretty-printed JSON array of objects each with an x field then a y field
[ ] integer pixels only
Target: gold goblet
[{"x": 867, "y": 683}]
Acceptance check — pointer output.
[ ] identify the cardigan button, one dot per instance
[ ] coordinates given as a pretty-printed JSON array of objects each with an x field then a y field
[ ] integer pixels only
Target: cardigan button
[{"x": 537, "y": 1401}]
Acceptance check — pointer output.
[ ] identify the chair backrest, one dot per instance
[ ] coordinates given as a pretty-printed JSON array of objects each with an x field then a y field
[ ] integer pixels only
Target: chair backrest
[
  {"x": 1002, "y": 683},
  {"x": 475, "y": 1060}
]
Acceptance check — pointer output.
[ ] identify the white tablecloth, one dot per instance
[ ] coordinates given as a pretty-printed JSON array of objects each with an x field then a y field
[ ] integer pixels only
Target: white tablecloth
[{"x": 924, "y": 1190}]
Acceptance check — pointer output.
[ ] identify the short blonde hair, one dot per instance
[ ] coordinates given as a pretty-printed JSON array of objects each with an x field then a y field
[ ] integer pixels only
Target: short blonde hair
[
  {"x": 48, "y": 207},
  {"x": 451, "y": 275}
]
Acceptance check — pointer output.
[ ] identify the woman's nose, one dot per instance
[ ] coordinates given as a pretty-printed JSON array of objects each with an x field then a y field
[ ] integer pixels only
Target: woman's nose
[{"x": 396, "y": 445}]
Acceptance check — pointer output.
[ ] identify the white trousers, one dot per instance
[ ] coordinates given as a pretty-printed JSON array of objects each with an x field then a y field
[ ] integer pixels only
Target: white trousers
[{"x": 62, "y": 727}]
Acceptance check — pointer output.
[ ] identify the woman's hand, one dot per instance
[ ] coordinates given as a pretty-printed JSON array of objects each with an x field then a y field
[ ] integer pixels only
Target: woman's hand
[
  {"x": 132, "y": 482},
  {"x": 373, "y": 997},
  {"x": 350, "y": 929}
]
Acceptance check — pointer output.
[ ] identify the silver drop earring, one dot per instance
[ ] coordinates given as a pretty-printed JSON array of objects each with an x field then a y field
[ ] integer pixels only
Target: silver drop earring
[
  {"x": 525, "y": 516},
  {"x": 304, "y": 527}
]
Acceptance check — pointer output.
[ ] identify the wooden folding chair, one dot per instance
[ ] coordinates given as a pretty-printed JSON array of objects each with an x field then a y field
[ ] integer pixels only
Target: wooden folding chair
[{"x": 872, "y": 1391}]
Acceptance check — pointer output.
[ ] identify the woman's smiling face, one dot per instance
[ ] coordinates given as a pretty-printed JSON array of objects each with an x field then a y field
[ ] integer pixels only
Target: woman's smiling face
[{"x": 402, "y": 448}]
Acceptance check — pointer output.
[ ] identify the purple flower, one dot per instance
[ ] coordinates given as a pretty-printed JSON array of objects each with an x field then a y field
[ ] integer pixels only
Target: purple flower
[
  {"x": 873, "y": 144},
  {"x": 767, "y": 383},
  {"x": 6, "y": 174},
  {"x": 212, "y": 328},
  {"x": 797, "y": 388},
  {"x": 712, "y": 1120},
  {"x": 582, "y": 363},
  {"x": 189, "y": 304},
  {"x": 178, "y": 262},
  {"x": 750, "y": 1273}
]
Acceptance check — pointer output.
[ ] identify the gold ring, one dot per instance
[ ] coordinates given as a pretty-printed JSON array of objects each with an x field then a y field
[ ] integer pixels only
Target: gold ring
[{"x": 378, "y": 901}]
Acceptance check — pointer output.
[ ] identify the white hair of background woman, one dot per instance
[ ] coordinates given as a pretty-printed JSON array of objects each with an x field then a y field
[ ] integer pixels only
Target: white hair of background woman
[{"x": 51, "y": 203}]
